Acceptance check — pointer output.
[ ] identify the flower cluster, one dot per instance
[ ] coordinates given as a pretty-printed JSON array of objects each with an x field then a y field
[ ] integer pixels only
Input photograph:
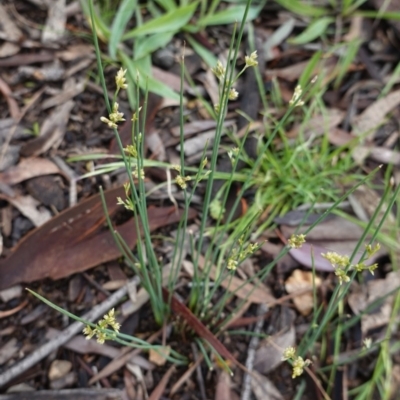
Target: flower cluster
[
  {"x": 114, "y": 117},
  {"x": 99, "y": 330},
  {"x": 233, "y": 154},
  {"x": 296, "y": 241},
  {"x": 342, "y": 265},
  {"x": 296, "y": 97},
  {"x": 220, "y": 72},
  {"x": 251, "y": 60},
  {"x": 239, "y": 255},
  {"x": 181, "y": 181},
  {"x": 298, "y": 363},
  {"x": 120, "y": 79}
]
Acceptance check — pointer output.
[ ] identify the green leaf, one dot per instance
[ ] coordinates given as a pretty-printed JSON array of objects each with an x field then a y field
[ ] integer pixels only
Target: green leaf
[
  {"x": 314, "y": 30},
  {"x": 229, "y": 15},
  {"x": 301, "y": 8},
  {"x": 346, "y": 59},
  {"x": 140, "y": 70},
  {"x": 124, "y": 14},
  {"x": 382, "y": 15},
  {"x": 147, "y": 45},
  {"x": 204, "y": 53},
  {"x": 168, "y": 5},
  {"x": 169, "y": 22},
  {"x": 101, "y": 30},
  {"x": 310, "y": 69}
]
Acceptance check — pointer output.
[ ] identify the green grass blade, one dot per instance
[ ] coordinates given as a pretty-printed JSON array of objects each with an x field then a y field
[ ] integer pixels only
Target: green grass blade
[
  {"x": 172, "y": 21},
  {"x": 147, "y": 45},
  {"x": 143, "y": 68},
  {"x": 300, "y": 8},
  {"x": 205, "y": 54},
  {"x": 168, "y": 5},
  {"x": 230, "y": 15},
  {"x": 314, "y": 30},
  {"x": 308, "y": 72},
  {"x": 123, "y": 15},
  {"x": 99, "y": 26}
]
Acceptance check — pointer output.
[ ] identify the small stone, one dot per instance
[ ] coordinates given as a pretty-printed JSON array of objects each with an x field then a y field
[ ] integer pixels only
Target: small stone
[
  {"x": 66, "y": 381},
  {"x": 47, "y": 190},
  {"x": 11, "y": 293},
  {"x": 10, "y": 157},
  {"x": 59, "y": 368},
  {"x": 164, "y": 58}
]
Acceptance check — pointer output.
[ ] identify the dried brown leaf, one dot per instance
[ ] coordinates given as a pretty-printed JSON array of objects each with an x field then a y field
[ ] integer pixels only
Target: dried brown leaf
[
  {"x": 270, "y": 351},
  {"x": 375, "y": 114},
  {"x": 263, "y": 388},
  {"x": 242, "y": 289},
  {"x": 362, "y": 297},
  {"x": 301, "y": 280},
  {"x": 29, "y": 168},
  {"x": 69, "y": 242}
]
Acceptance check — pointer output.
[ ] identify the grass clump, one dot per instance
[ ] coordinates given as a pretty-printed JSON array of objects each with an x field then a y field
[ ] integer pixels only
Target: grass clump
[{"x": 286, "y": 174}]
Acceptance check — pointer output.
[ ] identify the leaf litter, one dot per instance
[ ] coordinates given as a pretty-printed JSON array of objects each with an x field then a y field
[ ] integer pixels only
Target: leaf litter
[{"x": 67, "y": 120}]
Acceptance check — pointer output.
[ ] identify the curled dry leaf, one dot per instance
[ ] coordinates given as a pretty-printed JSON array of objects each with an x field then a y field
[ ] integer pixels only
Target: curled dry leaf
[
  {"x": 332, "y": 228},
  {"x": 362, "y": 297},
  {"x": 27, "y": 206},
  {"x": 269, "y": 353},
  {"x": 159, "y": 356},
  {"x": 8, "y": 350},
  {"x": 28, "y": 168},
  {"x": 263, "y": 388},
  {"x": 55, "y": 23},
  {"x": 375, "y": 114},
  {"x": 79, "y": 344},
  {"x": 51, "y": 133},
  {"x": 319, "y": 124},
  {"x": 69, "y": 242},
  {"x": 10, "y": 31},
  {"x": 160, "y": 388},
  {"x": 248, "y": 291},
  {"x": 223, "y": 389},
  {"x": 59, "y": 368},
  {"x": 301, "y": 280}
]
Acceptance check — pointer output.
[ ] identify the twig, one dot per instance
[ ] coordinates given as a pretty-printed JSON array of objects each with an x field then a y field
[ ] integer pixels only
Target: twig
[
  {"x": 43, "y": 351},
  {"x": 200, "y": 379},
  {"x": 72, "y": 177},
  {"x": 246, "y": 391},
  {"x": 17, "y": 120}
]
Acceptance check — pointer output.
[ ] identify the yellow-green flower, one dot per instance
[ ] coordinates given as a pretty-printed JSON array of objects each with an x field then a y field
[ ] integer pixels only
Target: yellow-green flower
[
  {"x": 110, "y": 123},
  {"x": 181, "y": 181},
  {"x": 372, "y": 250},
  {"x": 251, "y": 60},
  {"x": 367, "y": 342},
  {"x": 233, "y": 94},
  {"x": 296, "y": 241},
  {"x": 289, "y": 353},
  {"x": 296, "y": 97},
  {"x": 120, "y": 79},
  {"x": 135, "y": 115},
  {"x": 89, "y": 332},
  {"x": 232, "y": 264},
  {"x": 342, "y": 276},
  {"x": 337, "y": 260},
  {"x": 107, "y": 321},
  {"x": 116, "y": 116},
  {"x": 298, "y": 366},
  {"x": 219, "y": 70}
]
